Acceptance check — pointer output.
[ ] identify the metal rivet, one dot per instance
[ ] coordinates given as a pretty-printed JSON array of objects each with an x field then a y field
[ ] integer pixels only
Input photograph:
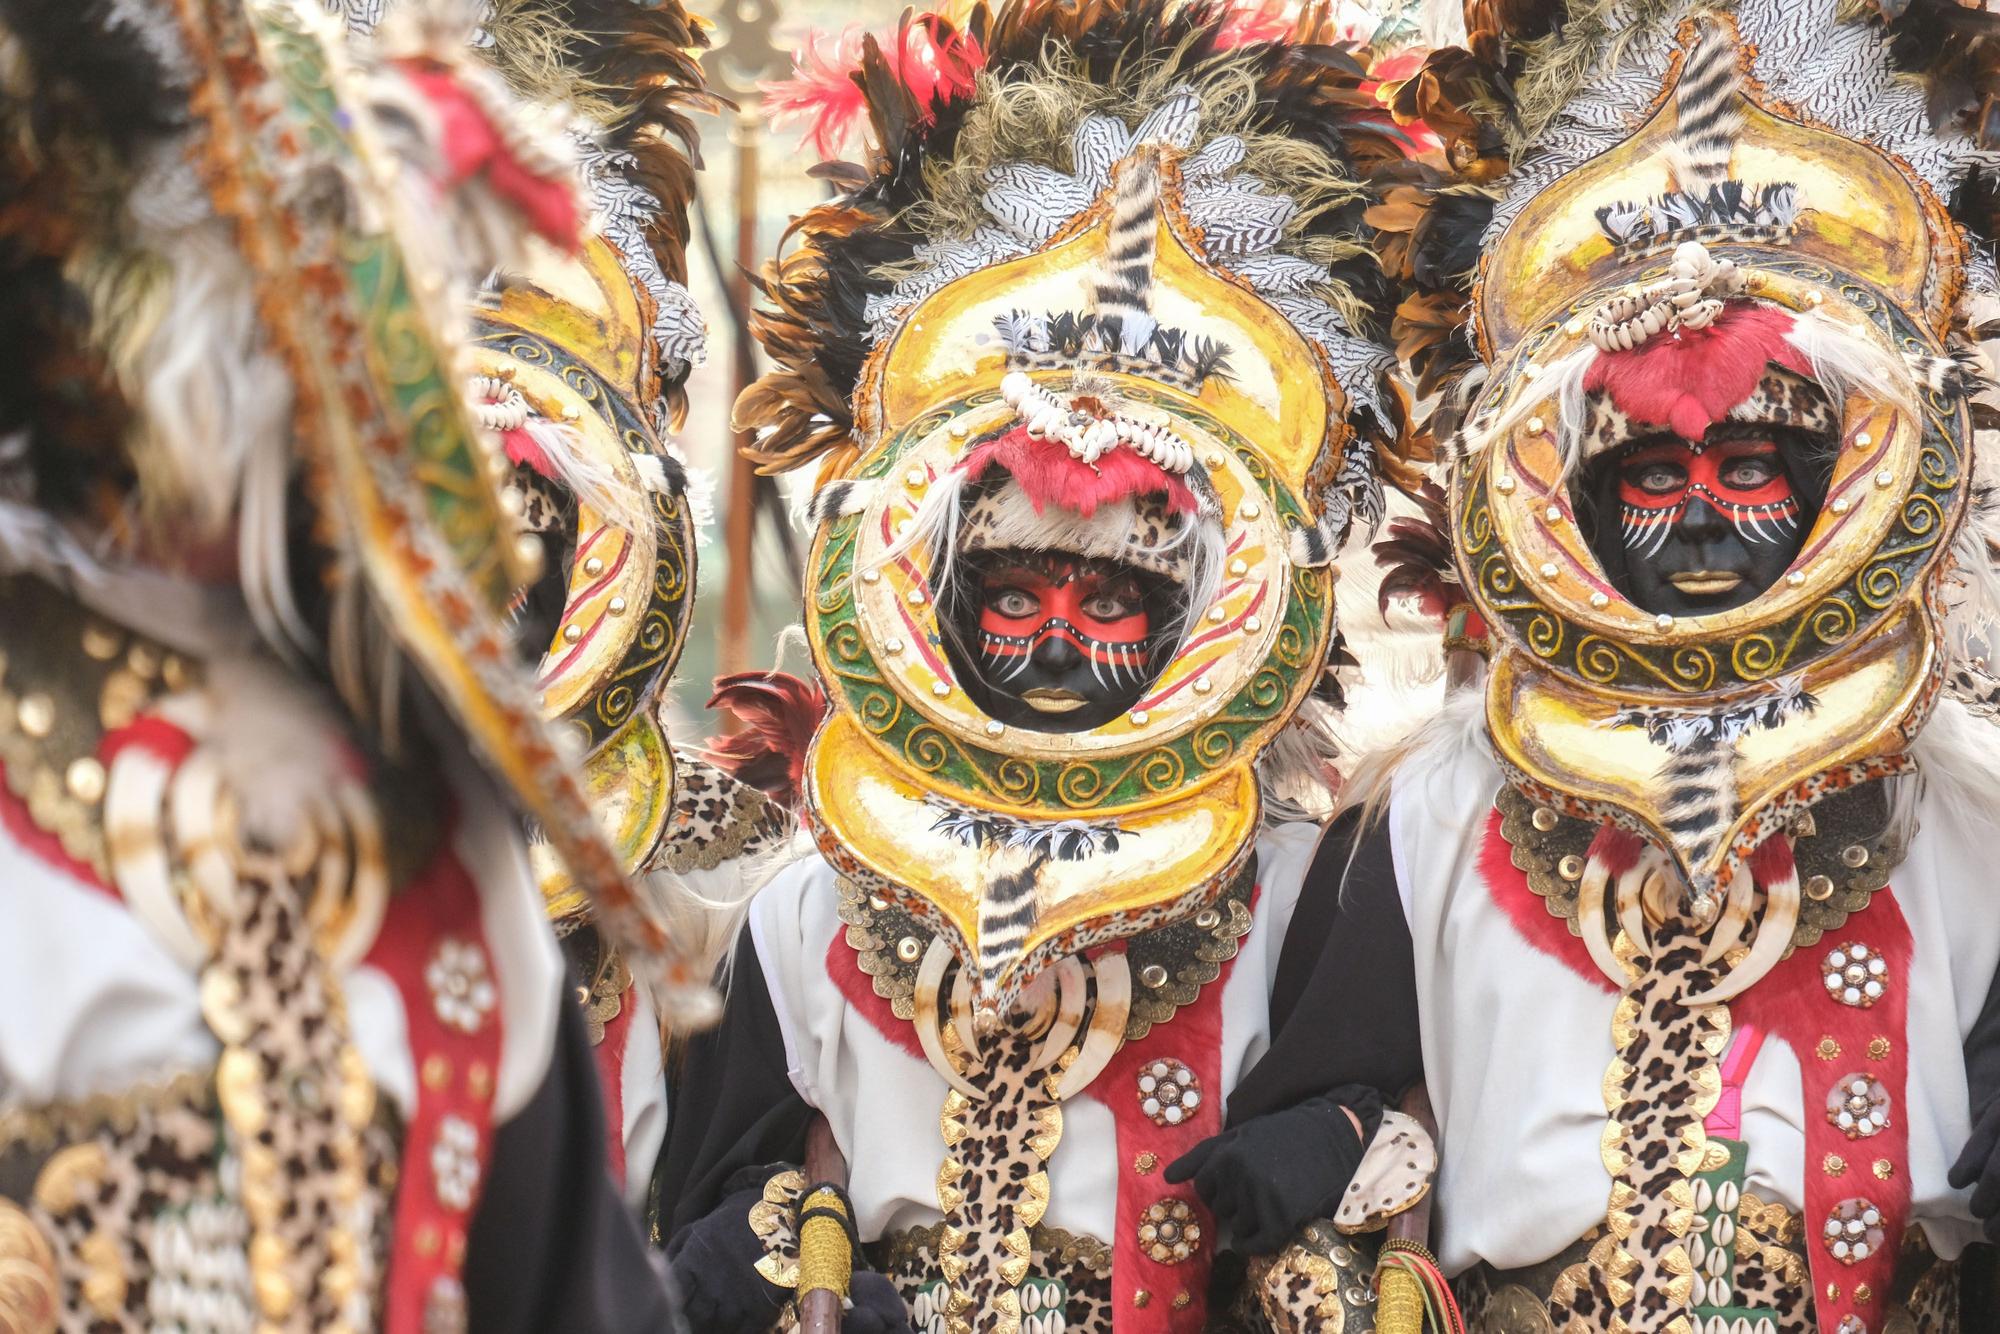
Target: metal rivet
[
  {"x": 904, "y": 526},
  {"x": 143, "y": 661},
  {"x": 1153, "y": 975},
  {"x": 909, "y": 949},
  {"x": 572, "y": 633},
  {"x": 1548, "y": 569},
  {"x": 1570, "y": 867},
  {"x": 1573, "y": 328},
  {"x": 1505, "y": 485},
  {"x": 1140, "y": 717},
  {"x": 1885, "y": 478},
  {"x": 593, "y": 566},
  {"x": 959, "y": 430},
  {"x": 940, "y": 688},
  {"x": 1555, "y": 514},
  {"x": 1215, "y": 613},
  {"x": 1854, "y": 856},
  {"x": 1202, "y": 685},
  {"x": 1600, "y": 600},
  {"x": 1216, "y": 461},
  {"x": 877, "y": 902},
  {"x": 1814, "y": 296},
  {"x": 616, "y": 606},
  {"x": 1795, "y": 578},
  {"x": 85, "y": 779},
  {"x": 1536, "y": 426},
  {"x": 915, "y": 477},
  {"x": 915, "y": 597},
  {"x": 1664, "y": 621},
  {"x": 1819, "y": 888},
  {"x": 1862, "y": 440},
  {"x": 1531, "y": 371},
  {"x": 1249, "y": 509},
  {"x": 37, "y": 714},
  {"x": 1208, "y": 919},
  {"x": 871, "y": 576},
  {"x": 1544, "y": 818},
  {"x": 1252, "y": 624},
  {"x": 1238, "y": 568},
  {"x": 995, "y": 728},
  {"x": 892, "y": 645}
]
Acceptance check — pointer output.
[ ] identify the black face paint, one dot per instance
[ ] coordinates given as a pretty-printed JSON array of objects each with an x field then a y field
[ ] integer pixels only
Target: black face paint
[
  {"x": 1053, "y": 643},
  {"x": 1693, "y": 529}
]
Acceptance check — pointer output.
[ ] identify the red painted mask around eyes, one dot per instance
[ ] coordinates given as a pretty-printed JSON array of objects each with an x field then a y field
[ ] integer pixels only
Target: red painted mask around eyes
[
  {"x": 1062, "y": 598},
  {"x": 1734, "y": 475}
]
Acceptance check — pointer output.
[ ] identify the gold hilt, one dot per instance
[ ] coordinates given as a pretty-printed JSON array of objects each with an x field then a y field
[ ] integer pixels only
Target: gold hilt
[
  {"x": 826, "y": 1255},
  {"x": 1399, "y": 1305}
]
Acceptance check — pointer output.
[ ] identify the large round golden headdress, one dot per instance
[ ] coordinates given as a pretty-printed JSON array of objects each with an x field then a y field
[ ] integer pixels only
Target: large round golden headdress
[
  {"x": 1719, "y": 202},
  {"x": 919, "y": 794}
]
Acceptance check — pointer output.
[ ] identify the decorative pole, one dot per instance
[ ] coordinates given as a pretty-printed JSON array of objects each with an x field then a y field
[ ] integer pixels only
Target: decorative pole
[{"x": 736, "y": 65}]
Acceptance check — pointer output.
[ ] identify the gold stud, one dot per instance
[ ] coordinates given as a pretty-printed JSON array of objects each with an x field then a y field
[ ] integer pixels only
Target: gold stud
[
  {"x": 1862, "y": 440},
  {"x": 143, "y": 660},
  {"x": 1819, "y": 888},
  {"x": 616, "y": 606},
  {"x": 1202, "y": 685},
  {"x": 593, "y": 567},
  {"x": 909, "y": 950},
  {"x": 85, "y": 779},
  {"x": 1181, "y": 1300},
  {"x": 1140, "y": 717},
  {"x": 1863, "y": 1293},
  {"x": 100, "y": 642},
  {"x": 1883, "y": 1168},
  {"x": 995, "y": 727},
  {"x": 36, "y": 714},
  {"x": 436, "y": 1073},
  {"x": 1208, "y": 919},
  {"x": 915, "y": 597},
  {"x": 1842, "y": 505},
  {"x": 1238, "y": 568},
  {"x": 1878, "y": 1049},
  {"x": 1215, "y": 613},
  {"x": 1663, "y": 621},
  {"x": 871, "y": 576},
  {"x": 1536, "y": 425},
  {"x": 1153, "y": 975},
  {"x": 1249, "y": 509},
  {"x": 1833, "y": 1165},
  {"x": 1145, "y": 1163},
  {"x": 1554, "y": 514},
  {"x": 1570, "y": 867},
  {"x": 1854, "y": 855},
  {"x": 940, "y": 688},
  {"x": 1885, "y": 478},
  {"x": 892, "y": 645},
  {"x": 1827, "y": 1050},
  {"x": 1600, "y": 601},
  {"x": 1548, "y": 569},
  {"x": 1544, "y": 818},
  {"x": 1140, "y": 1298},
  {"x": 1795, "y": 578},
  {"x": 915, "y": 477},
  {"x": 1252, "y": 624},
  {"x": 572, "y": 633},
  {"x": 1505, "y": 485}
]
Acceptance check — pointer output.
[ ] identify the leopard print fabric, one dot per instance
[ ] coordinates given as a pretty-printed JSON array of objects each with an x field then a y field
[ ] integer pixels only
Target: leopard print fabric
[
  {"x": 994, "y": 1185},
  {"x": 1323, "y": 1283},
  {"x": 716, "y": 818},
  {"x": 1664, "y": 1080},
  {"x": 910, "y": 1259}
]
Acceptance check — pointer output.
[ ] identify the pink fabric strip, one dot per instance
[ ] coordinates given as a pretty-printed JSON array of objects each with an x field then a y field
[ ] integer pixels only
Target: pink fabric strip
[{"x": 1726, "y": 1121}]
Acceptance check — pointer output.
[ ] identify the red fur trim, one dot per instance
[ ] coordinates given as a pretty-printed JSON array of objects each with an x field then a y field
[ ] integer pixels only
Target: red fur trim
[
  {"x": 441, "y": 903},
  {"x": 1529, "y": 911},
  {"x": 1690, "y": 380},
  {"x": 20, "y": 827},
  {"x": 1049, "y": 474},
  {"x": 1772, "y": 861},
  {"x": 473, "y": 145},
  {"x": 522, "y": 447},
  {"x": 1617, "y": 850}
]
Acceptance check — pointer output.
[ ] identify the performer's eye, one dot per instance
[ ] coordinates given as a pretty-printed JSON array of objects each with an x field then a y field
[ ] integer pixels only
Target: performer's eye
[
  {"x": 1013, "y": 603},
  {"x": 1749, "y": 472},
  {"x": 1658, "y": 479},
  {"x": 1112, "y": 604}
]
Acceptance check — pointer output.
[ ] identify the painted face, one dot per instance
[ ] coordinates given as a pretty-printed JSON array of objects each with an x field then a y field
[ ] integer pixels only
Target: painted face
[
  {"x": 1057, "y": 644},
  {"x": 1705, "y": 527}
]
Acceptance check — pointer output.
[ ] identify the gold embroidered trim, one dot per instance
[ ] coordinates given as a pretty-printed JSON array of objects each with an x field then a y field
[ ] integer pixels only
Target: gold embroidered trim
[
  {"x": 771, "y": 1218},
  {"x": 910, "y": 1247}
]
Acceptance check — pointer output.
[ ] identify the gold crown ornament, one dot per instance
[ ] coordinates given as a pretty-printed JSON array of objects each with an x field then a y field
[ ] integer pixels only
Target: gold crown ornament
[
  {"x": 920, "y": 796},
  {"x": 562, "y": 360},
  {"x": 1724, "y": 212}
]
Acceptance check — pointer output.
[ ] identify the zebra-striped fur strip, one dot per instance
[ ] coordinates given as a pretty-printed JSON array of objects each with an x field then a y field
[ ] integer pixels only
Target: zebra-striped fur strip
[
  {"x": 1007, "y": 913},
  {"x": 837, "y": 499},
  {"x": 1700, "y": 803},
  {"x": 1959, "y": 375},
  {"x": 1710, "y": 115},
  {"x": 1121, "y": 292}
]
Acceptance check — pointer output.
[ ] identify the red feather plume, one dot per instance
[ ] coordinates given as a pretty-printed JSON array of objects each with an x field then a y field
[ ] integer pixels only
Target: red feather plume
[{"x": 778, "y": 714}]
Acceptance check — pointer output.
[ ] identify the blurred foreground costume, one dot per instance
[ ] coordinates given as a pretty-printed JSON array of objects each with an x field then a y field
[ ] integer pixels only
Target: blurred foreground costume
[
  {"x": 1698, "y": 884},
  {"x": 1081, "y": 360},
  {"x": 284, "y": 1043}
]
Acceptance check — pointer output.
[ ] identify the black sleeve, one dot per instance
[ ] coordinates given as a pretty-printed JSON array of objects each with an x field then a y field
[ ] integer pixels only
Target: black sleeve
[
  {"x": 1982, "y": 1054},
  {"x": 730, "y": 1101},
  {"x": 1344, "y": 1003},
  {"x": 552, "y": 1248}
]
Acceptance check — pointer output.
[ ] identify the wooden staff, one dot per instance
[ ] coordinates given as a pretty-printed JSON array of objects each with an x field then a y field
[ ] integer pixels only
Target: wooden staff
[
  {"x": 1401, "y": 1302},
  {"x": 826, "y": 1254}
]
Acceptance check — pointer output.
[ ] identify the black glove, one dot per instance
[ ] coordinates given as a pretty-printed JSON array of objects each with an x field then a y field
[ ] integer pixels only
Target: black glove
[
  {"x": 877, "y": 1306},
  {"x": 1980, "y": 1163},
  {"x": 1270, "y": 1176},
  {"x": 714, "y": 1261}
]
